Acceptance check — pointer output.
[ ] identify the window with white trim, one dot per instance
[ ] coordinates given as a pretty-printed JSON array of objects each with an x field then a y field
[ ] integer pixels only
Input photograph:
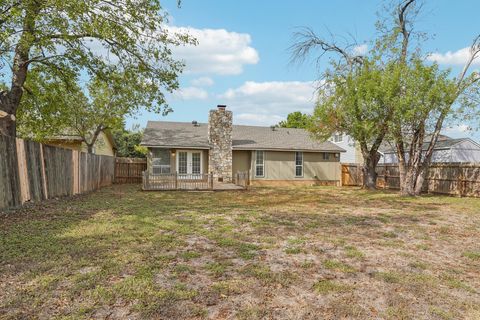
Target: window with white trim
[
  {"x": 326, "y": 156},
  {"x": 338, "y": 137},
  {"x": 259, "y": 164},
  {"x": 196, "y": 162},
  {"x": 298, "y": 164},
  {"x": 160, "y": 161}
]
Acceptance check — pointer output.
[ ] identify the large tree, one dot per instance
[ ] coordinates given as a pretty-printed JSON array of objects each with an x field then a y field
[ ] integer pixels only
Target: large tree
[
  {"x": 296, "y": 119},
  {"x": 426, "y": 98},
  {"x": 390, "y": 93},
  {"x": 67, "y": 109},
  {"x": 85, "y": 39},
  {"x": 358, "y": 102},
  {"x": 353, "y": 97}
]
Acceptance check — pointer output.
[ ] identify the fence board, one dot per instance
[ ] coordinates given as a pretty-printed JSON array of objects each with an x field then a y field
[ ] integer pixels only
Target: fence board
[
  {"x": 461, "y": 179},
  {"x": 9, "y": 180},
  {"x": 30, "y": 171}
]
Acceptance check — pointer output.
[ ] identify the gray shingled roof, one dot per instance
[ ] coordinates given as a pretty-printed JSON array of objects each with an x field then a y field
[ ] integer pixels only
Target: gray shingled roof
[
  {"x": 443, "y": 142},
  {"x": 186, "y": 135}
]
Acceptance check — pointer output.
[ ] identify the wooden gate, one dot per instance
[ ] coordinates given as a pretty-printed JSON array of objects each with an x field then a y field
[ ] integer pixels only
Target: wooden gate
[
  {"x": 351, "y": 174},
  {"x": 129, "y": 170}
]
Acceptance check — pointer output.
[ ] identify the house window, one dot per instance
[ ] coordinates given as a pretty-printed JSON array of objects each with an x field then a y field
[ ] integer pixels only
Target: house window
[
  {"x": 298, "y": 164},
  {"x": 182, "y": 162},
  {"x": 196, "y": 162},
  {"x": 338, "y": 137},
  {"x": 160, "y": 161},
  {"x": 326, "y": 156},
  {"x": 259, "y": 164}
]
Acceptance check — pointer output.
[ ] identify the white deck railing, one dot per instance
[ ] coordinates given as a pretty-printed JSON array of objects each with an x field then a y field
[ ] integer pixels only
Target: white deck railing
[{"x": 175, "y": 181}]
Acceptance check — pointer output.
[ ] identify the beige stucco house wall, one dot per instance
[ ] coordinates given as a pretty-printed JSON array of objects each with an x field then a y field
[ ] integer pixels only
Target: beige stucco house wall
[
  {"x": 241, "y": 161},
  {"x": 279, "y": 169}
]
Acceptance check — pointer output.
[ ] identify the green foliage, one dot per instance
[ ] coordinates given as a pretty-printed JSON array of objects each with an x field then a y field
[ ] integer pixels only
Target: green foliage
[
  {"x": 51, "y": 44},
  {"x": 356, "y": 102},
  {"x": 391, "y": 92},
  {"x": 296, "y": 119},
  {"x": 427, "y": 93},
  {"x": 53, "y": 107},
  {"x": 128, "y": 143}
]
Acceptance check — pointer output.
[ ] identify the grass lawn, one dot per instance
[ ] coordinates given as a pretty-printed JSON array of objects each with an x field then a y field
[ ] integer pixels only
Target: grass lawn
[{"x": 281, "y": 253}]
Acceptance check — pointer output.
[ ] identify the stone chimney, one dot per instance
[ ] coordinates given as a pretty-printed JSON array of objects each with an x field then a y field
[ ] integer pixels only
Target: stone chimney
[{"x": 220, "y": 140}]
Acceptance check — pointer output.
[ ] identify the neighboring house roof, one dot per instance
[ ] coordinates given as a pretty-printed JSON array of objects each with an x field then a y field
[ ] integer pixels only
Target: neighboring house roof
[
  {"x": 76, "y": 138},
  {"x": 443, "y": 143},
  {"x": 186, "y": 135}
]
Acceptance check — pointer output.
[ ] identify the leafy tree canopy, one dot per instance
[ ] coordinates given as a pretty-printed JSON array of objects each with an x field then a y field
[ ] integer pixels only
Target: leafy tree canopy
[
  {"x": 128, "y": 142},
  {"x": 119, "y": 43},
  {"x": 296, "y": 119}
]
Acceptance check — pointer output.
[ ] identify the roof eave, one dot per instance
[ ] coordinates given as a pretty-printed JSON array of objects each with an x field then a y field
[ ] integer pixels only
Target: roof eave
[
  {"x": 164, "y": 146},
  {"x": 285, "y": 149}
]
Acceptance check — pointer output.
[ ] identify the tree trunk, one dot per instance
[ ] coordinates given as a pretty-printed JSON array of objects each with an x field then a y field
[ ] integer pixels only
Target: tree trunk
[
  {"x": 369, "y": 175},
  {"x": 95, "y": 135},
  {"x": 10, "y": 99},
  {"x": 370, "y": 161},
  {"x": 408, "y": 183},
  {"x": 420, "y": 179},
  {"x": 7, "y": 116}
]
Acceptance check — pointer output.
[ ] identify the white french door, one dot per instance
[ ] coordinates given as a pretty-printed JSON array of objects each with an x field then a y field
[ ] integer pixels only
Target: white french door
[{"x": 189, "y": 162}]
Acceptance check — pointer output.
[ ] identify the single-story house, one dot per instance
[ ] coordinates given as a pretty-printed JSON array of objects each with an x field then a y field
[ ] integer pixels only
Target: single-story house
[
  {"x": 446, "y": 150},
  {"x": 270, "y": 155},
  {"x": 105, "y": 144}
]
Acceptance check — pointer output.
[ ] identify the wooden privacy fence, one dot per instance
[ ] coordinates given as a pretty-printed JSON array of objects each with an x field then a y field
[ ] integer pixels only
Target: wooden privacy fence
[
  {"x": 30, "y": 171},
  {"x": 174, "y": 181},
  {"x": 129, "y": 170},
  {"x": 462, "y": 179}
]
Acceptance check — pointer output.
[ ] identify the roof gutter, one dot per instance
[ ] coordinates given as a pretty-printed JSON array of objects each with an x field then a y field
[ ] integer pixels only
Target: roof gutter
[
  {"x": 283, "y": 149},
  {"x": 173, "y": 147}
]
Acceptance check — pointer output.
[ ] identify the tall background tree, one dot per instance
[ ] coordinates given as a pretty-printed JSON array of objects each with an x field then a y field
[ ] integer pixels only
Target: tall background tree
[
  {"x": 350, "y": 95},
  {"x": 67, "y": 109},
  {"x": 391, "y": 93},
  {"x": 427, "y": 98},
  {"x": 128, "y": 142},
  {"x": 78, "y": 39},
  {"x": 296, "y": 119},
  {"x": 358, "y": 103}
]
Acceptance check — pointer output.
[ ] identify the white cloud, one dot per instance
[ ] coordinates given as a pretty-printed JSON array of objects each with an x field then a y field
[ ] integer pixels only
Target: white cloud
[
  {"x": 202, "y": 82},
  {"x": 257, "y": 119},
  {"x": 191, "y": 93},
  {"x": 457, "y": 129},
  {"x": 266, "y": 103},
  {"x": 458, "y": 57},
  {"x": 360, "y": 49},
  {"x": 218, "y": 51}
]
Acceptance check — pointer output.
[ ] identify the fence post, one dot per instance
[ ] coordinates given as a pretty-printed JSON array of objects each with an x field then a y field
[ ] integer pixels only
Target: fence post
[
  {"x": 210, "y": 176},
  {"x": 176, "y": 180}
]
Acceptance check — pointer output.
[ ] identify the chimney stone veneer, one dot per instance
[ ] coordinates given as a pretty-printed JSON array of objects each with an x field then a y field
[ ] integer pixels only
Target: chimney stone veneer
[{"x": 220, "y": 140}]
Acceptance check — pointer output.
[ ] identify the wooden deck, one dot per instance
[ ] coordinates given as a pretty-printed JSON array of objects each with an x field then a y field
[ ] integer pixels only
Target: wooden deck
[{"x": 188, "y": 182}]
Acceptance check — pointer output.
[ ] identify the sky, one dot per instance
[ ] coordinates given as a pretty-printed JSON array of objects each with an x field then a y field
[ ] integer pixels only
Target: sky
[{"x": 242, "y": 58}]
